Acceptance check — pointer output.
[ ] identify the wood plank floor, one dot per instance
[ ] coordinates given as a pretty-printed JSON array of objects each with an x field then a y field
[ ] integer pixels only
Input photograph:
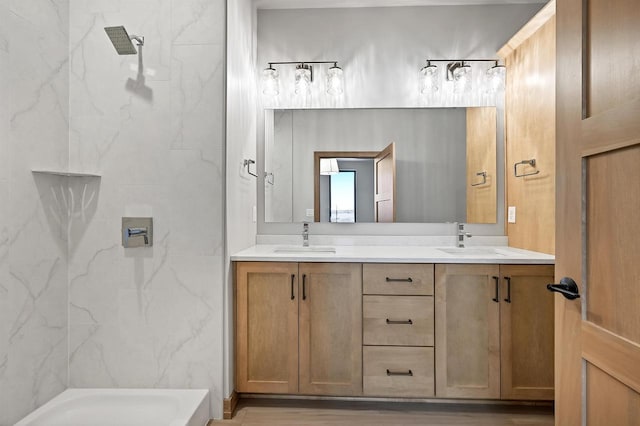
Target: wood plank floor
[{"x": 254, "y": 412}]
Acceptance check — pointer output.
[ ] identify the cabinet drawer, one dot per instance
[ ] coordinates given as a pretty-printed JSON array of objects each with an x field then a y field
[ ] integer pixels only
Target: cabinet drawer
[
  {"x": 398, "y": 371},
  {"x": 398, "y": 320},
  {"x": 397, "y": 278}
]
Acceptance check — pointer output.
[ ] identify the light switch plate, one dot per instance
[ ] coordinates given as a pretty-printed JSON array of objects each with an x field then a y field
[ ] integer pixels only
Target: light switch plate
[
  {"x": 511, "y": 214},
  {"x": 310, "y": 212}
]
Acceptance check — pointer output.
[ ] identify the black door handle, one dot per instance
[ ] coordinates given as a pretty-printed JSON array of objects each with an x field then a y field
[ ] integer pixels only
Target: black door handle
[
  {"x": 497, "y": 298},
  {"x": 293, "y": 278},
  {"x": 567, "y": 287}
]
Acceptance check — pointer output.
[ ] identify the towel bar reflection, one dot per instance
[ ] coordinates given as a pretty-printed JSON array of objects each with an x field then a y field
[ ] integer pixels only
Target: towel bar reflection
[
  {"x": 268, "y": 178},
  {"x": 247, "y": 163},
  {"x": 484, "y": 179},
  {"x": 531, "y": 162}
]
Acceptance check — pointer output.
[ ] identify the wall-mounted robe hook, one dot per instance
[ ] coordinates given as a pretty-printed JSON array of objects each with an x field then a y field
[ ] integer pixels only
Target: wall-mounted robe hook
[
  {"x": 268, "y": 177},
  {"x": 531, "y": 162},
  {"x": 484, "y": 179},
  {"x": 247, "y": 163}
]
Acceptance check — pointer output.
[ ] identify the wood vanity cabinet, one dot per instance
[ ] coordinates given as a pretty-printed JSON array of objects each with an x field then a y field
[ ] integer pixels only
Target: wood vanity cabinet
[
  {"x": 299, "y": 328},
  {"x": 494, "y": 331}
]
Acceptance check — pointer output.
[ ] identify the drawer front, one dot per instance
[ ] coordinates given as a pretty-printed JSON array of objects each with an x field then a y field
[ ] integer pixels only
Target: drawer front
[
  {"x": 397, "y": 278},
  {"x": 398, "y": 371},
  {"x": 397, "y": 320}
]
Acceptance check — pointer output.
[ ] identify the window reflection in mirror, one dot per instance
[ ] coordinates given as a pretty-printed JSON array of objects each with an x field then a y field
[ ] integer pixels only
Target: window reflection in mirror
[{"x": 342, "y": 194}]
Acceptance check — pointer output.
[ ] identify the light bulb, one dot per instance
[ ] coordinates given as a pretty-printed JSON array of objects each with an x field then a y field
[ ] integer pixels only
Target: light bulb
[
  {"x": 270, "y": 82},
  {"x": 303, "y": 80},
  {"x": 462, "y": 79},
  {"x": 335, "y": 84},
  {"x": 496, "y": 75},
  {"x": 428, "y": 79}
]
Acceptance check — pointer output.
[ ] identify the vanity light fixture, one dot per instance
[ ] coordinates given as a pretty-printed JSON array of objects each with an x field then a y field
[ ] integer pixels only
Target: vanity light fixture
[
  {"x": 329, "y": 166},
  {"x": 459, "y": 71},
  {"x": 303, "y": 78},
  {"x": 428, "y": 79}
]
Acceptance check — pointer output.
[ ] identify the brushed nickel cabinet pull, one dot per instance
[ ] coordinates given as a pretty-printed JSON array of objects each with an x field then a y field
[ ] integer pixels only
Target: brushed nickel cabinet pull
[
  {"x": 399, "y": 373},
  {"x": 399, "y": 280},
  {"x": 399, "y": 322}
]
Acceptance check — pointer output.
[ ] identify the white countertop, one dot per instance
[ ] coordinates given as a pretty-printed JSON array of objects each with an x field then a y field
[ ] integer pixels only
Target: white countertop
[{"x": 393, "y": 254}]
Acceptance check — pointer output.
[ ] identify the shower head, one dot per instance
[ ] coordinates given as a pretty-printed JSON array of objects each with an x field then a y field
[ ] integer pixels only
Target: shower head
[{"x": 122, "y": 41}]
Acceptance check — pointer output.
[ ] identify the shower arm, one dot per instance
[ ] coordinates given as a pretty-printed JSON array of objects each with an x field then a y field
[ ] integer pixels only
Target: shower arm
[{"x": 137, "y": 39}]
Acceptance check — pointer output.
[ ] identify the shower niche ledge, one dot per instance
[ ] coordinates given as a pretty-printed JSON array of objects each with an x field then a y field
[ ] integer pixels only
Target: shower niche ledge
[{"x": 66, "y": 173}]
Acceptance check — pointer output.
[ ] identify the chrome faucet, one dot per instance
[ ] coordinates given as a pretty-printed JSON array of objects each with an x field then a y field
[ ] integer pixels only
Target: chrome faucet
[
  {"x": 462, "y": 234},
  {"x": 305, "y": 234}
]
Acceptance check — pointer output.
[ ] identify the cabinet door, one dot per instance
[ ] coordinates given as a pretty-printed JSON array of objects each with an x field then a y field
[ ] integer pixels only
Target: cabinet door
[
  {"x": 467, "y": 331},
  {"x": 266, "y": 327},
  {"x": 330, "y": 328},
  {"x": 526, "y": 329}
]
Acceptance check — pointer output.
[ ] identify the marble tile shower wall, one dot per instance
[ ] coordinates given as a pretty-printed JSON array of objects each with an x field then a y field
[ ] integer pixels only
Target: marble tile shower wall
[
  {"x": 34, "y": 91},
  {"x": 152, "y": 126}
]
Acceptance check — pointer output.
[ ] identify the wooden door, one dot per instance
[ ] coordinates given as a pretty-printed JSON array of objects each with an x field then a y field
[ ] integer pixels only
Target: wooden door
[
  {"x": 267, "y": 327},
  {"x": 598, "y": 198},
  {"x": 482, "y": 181},
  {"x": 526, "y": 332},
  {"x": 467, "y": 331},
  {"x": 331, "y": 329},
  {"x": 385, "y": 184}
]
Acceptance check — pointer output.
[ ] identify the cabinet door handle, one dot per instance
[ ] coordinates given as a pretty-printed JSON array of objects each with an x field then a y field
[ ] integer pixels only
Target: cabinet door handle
[
  {"x": 398, "y": 280},
  {"x": 293, "y": 278},
  {"x": 399, "y": 373},
  {"x": 304, "y": 287},
  {"x": 508, "y": 299},
  {"x": 409, "y": 322},
  {"x": 497, "y": 298}
]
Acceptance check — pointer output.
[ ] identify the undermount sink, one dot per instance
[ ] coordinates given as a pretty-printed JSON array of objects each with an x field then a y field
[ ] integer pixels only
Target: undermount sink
[
  {"x": 311, "y": 249},
  {"x": 472, "y": 251}
]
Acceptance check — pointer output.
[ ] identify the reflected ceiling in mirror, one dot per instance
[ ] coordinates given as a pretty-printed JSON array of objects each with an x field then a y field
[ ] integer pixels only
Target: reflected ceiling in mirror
[{"x": 443, "y": 165}]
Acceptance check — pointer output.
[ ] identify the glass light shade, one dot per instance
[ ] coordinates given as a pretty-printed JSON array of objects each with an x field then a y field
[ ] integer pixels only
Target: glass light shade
[
  {"x": 270, "y": 82},
  {"x": 496, "y": 77},
  {"x": 429, "y": 79},
  {"x": 462, "y": 79},
  {"x": 335, "y": 84},
  {"x": 329, "y": 166},
  {"x": 303, "y": 80}
]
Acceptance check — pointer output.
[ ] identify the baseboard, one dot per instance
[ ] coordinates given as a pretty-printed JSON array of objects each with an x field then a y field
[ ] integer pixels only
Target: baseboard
[{"x": 229, "y": 406}]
